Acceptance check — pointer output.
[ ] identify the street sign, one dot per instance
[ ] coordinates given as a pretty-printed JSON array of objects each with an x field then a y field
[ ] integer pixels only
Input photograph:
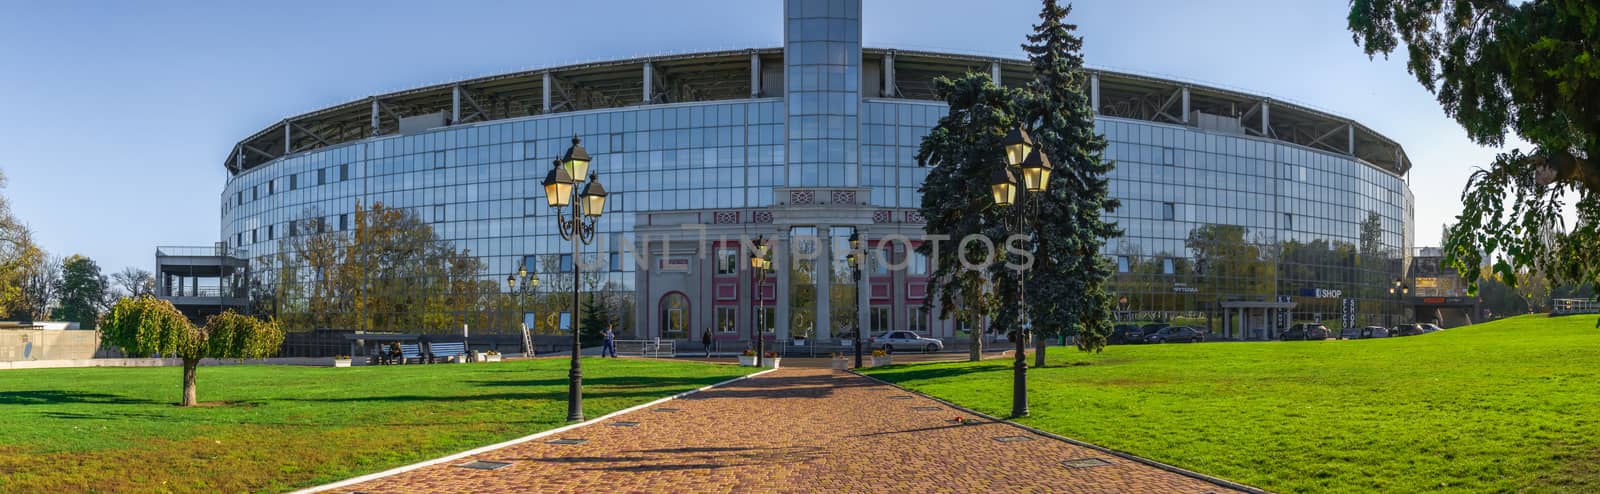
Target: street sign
[{"x": 1348, "y": 312}]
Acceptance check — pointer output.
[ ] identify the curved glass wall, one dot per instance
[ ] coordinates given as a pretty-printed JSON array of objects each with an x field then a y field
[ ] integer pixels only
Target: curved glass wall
[
  {"x": 477, "y": 187},
  {"x": 1208, "y": 217}
]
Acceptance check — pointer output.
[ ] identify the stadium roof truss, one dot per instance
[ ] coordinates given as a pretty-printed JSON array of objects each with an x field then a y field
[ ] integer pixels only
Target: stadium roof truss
[{"x": 728, "y": 75}]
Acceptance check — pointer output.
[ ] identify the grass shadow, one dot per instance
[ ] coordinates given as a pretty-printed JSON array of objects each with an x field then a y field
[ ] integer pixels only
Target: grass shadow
[{"x": 55, "y": 397}]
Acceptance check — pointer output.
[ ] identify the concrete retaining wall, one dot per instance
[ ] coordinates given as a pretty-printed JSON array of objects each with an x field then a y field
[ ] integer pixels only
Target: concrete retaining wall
[{"x": 20, "y": 345}]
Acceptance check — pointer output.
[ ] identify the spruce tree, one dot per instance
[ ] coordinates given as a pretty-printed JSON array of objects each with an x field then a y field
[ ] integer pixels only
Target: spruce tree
[{"x": 1067, "y": 288}]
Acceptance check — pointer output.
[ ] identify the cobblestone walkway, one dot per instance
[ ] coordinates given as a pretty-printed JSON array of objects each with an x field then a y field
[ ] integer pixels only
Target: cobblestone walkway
[{"x": 794, "y": 430}]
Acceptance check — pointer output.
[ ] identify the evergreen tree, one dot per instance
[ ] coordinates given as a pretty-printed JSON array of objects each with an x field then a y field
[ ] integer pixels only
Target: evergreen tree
[
  {"x": 1067, "y": 288},
  {"x": 596, "y": 318}
]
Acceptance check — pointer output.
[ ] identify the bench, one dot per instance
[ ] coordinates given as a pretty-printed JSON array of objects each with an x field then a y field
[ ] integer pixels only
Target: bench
[
  {"x": 444, "y": 351},
  {"x": 409, "y": 352}
]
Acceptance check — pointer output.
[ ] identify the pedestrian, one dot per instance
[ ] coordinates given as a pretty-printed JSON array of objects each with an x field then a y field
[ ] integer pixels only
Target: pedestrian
[
  {"x": 610, "y": 348},
  {"x": 705, "y": 340}
]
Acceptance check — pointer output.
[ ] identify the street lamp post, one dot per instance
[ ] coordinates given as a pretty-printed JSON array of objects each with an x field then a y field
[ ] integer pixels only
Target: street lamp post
[
  {"x": 530, "y": 283},
  {"x": 1021, "y": 156},
  {"x": 855, "y": 272},
  {"x": 761, "y": 264},
  {"x": 1399, "y": 290},
  {"x": 561, "y": 189}
]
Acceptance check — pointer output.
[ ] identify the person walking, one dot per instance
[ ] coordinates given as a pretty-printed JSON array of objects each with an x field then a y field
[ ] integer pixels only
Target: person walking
[
  {"x": 610, "y": 347},
  {"x": 705, "y": 340}
]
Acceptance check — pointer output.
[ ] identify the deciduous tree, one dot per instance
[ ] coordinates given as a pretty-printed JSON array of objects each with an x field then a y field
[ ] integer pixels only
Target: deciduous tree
[
  {"x": 83, "y": 291},
  {"x": 1530, "y": 68},
  {"x": 147, "y": 326}
]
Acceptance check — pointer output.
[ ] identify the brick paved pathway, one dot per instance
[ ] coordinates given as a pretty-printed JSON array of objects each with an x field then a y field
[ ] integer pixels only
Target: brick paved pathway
[{"x": 794, "y": 430}]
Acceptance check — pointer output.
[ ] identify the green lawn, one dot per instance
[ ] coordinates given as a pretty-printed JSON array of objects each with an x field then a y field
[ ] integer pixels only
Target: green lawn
[
  {"x": 1509, "y": 406},
  {"x": 271, "y": 428}
]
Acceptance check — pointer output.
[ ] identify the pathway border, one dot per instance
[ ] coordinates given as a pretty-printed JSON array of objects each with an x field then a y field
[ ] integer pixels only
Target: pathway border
[
  {"x": 1220, "y": 482},
  {"x": 520, "y": 440}
]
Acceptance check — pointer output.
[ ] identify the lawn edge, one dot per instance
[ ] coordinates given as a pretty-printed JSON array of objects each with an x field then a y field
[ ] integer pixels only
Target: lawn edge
[
  {"x": 513, "y": 442},
  {"x": 1220, "y": 482}
]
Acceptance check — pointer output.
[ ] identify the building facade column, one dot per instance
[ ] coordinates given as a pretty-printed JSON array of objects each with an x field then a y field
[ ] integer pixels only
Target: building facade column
[{"x": 824, "y": 282}]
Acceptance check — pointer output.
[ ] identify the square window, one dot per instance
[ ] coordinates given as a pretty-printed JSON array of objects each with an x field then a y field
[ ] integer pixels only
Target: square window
[
  {"x": 1166, "y": 266},
  {"x": 438, "y": 213},
  {"x": 1122, "y": 264},
  {"x": 1169, "y": 211}
]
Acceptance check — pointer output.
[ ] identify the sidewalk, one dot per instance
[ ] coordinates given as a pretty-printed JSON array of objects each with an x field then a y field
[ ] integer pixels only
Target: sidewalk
[{"x": 794, "y": 430}]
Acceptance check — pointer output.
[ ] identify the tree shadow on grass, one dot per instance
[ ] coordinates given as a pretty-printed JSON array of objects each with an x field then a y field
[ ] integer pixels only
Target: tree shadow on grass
[
  {"x": 920, "y": 372},
  {"x": 56, "y": 397},
  {"x": 548, "y": 396}
]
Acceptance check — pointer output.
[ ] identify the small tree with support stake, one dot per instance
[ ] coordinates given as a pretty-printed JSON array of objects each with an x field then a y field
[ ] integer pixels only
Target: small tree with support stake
[{"x": 144, "y": 326}]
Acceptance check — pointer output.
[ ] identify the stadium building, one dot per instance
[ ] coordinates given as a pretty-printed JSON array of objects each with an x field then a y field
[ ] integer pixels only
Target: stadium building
[{"x": 1242, "y": 212}]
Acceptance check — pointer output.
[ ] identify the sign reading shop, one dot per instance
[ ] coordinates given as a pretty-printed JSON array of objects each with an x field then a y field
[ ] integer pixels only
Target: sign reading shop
[{"x": 1320, "y": 293}]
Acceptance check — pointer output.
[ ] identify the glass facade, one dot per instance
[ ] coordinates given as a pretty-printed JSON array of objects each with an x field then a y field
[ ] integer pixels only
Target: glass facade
[
  {"x": 822, "y": 86},
  {"x": 477, "y": 186},
  {"x": 1210, "y": 216}
]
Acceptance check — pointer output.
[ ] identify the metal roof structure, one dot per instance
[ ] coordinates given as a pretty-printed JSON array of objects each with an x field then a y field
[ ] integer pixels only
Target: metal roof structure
[{"x": 726, "y": 75}]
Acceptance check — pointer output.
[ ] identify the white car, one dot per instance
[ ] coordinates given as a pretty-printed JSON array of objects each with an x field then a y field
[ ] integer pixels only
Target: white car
[
  {"x": 1429, "y": 327},
  {"x": 906, "y": 340}
]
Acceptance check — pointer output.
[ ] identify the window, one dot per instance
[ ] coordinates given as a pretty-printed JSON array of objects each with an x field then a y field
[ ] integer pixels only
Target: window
[
  {"x": 1288, "y": 222},
  {"x": 879, "y": 319},
  {"x": 270, "y": 231},
  {"x": 344, "y": 222},
  {"x": 255, "y": 192},
  {"x": 253, "y": 237},
  {"x": 917, "y": 319},
  {"x": 1166, "y": 266},
  {"x": 294, "y": 229},
  {"x": 1122, "y": 264},
  {"x": 530, "y": 207},
  {"x": 614, "y": 262},
  {"x": 725, "y": 319},
  {"x": 674, "y": 312},
  {"x": 344, "y": 172},
  {"x": 918, "y": 264},
  {"x": 322, "y": 176},
  {"x": 727, "y": 261},
  {"x": 438, "y": 213},
  {"x": 1169, "y": 211},
  {"x": 240, "y": 197},
  {"x": 272, "y": 186},
  {"x": 765, "y": 318},
  {"x": 879, "y": 262},
  {"x": 565, "y": 263},
  {"x": 294, "y": 182}
]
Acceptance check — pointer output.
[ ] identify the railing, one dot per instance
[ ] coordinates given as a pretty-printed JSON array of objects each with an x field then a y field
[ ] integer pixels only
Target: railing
[
  {"x": 206, "y": 292},
  {"x": 198, "y": 251},
  {"x": 1564, "y": 306},
  {"x": 656, "y": 348}
]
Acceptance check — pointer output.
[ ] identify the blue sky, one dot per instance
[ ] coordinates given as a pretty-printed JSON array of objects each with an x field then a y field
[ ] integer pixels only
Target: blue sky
[{"x": 117, "y": 115}]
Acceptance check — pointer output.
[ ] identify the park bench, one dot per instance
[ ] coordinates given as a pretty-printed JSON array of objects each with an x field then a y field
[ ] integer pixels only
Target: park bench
[
  {"x": 443, "y": 352},
  {"x": 412, "y": 351}
]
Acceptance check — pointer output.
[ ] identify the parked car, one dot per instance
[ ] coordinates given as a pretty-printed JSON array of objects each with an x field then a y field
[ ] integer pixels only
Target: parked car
[
  {"x": 1408, "y": 329},
  {"x": 906, "y": 340},
  {"x": 1305, "y": 331},
  {"x": 1429, "y": 327},
  {"x": 1172, "y": 334},
  {"x": 1125, "y": 333},
  {"x": 1373, "y": 332}
]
